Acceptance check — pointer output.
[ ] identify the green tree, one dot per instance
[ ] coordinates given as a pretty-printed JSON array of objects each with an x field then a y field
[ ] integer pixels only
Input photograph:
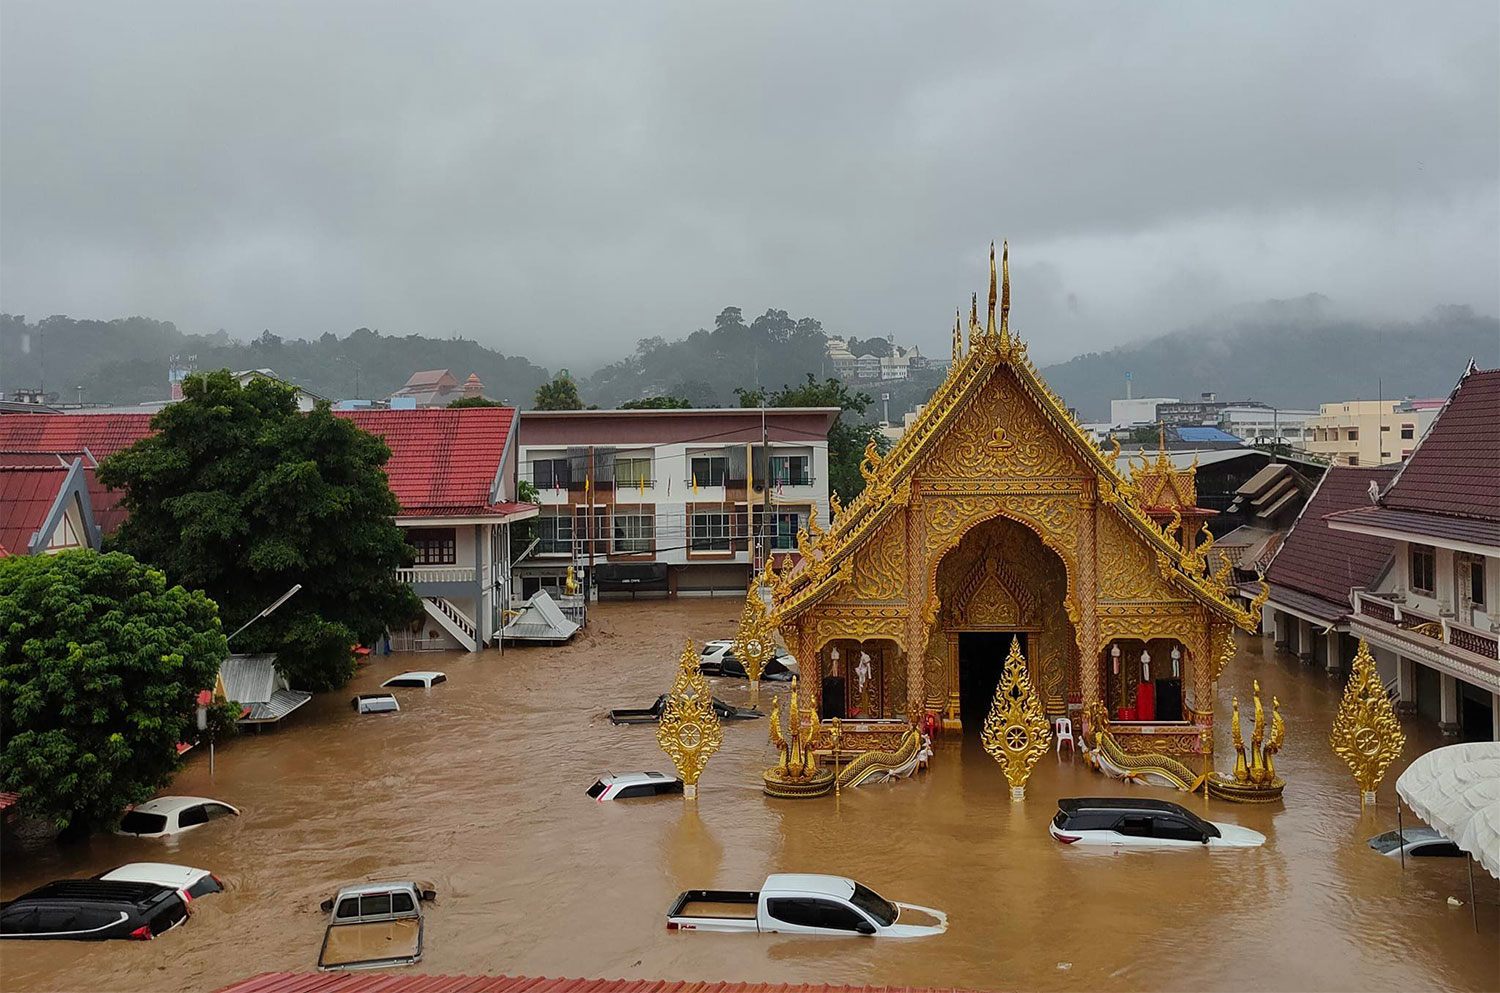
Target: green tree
[
  {"x": 559, "y": 394},
  {"x": 240, "y": 495},
  {"x": 100, "y": 663},
  {"x": 847, "y": 438},
  {"x": 475, "y": 402},
  {"x": 657, "y": 403}
]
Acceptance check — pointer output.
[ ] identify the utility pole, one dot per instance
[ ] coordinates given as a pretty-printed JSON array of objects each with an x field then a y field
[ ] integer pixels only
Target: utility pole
[
  {"x": 765, "y": 513},
  {"x": 588, "y": 528}
]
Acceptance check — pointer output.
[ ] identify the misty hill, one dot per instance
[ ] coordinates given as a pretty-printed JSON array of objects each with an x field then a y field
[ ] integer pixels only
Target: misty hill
[
  {"x": 125, "y": 360},
  {"x": 1291, "y": 353}
]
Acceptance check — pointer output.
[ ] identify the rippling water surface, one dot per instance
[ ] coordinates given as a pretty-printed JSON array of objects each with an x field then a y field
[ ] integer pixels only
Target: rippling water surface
[{"x": 478, "y": 786}]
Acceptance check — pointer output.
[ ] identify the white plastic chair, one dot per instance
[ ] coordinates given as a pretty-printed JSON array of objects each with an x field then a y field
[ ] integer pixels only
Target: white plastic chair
[{"x": 1062, "y": 728}]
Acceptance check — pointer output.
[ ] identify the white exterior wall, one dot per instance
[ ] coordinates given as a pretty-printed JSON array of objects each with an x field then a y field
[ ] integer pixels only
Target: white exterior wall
[{"x": 1137, "y": 410}]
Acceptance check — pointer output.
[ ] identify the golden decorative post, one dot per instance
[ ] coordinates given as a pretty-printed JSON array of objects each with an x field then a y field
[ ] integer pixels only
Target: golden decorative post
[
  {"x": 753, "y": 642},
  {"x": 1366, "y": 734},
  {"x": 1254, "y": 779},
  {"x": 796, "y": 774},
  {"x": 1016, "y": 732},
  {"x": 689, "y": 731}
]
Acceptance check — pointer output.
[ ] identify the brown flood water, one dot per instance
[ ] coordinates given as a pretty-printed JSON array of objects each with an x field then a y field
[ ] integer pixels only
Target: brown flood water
[{"x": 477, "y": 785}]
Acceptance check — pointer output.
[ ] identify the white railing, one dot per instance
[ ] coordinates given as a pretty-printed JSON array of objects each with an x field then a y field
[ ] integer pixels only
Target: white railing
[{"x": 436, "y": 574}]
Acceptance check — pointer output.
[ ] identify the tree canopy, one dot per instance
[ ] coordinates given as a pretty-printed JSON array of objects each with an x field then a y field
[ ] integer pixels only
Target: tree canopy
[
  {"x": 240, "y": 495},
  {"x": 560, "y": 393},
  {"x": 475, "y": 402},
  {"x": 658, "y": 403},
  {"x": 848, "y": 437},
  {"x": 100, "y": 663}
]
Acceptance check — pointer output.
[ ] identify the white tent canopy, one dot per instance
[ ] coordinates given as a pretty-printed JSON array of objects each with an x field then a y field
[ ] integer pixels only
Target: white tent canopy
[{"x": 1456, "y": 789}]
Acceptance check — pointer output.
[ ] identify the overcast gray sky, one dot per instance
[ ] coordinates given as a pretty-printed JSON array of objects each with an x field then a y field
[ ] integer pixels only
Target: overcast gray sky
[{"x": 561, "y": 179}]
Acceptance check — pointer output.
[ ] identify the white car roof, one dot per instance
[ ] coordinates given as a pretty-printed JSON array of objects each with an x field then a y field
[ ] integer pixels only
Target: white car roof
[
  {"x": 172, "y": 804},
  {"x": 719, "y": 644},
  {"x": 417, "y": 674},
  {"x": 162, "y": 873},
  {"x": 359, "y": 888},
  {"x": 634, "y": 778},
  {"x": 810, "y": 882}
]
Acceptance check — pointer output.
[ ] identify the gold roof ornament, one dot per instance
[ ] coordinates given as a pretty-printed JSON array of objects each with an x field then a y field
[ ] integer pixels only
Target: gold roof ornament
[
  {"x": 958, "y": 340},
  {"x": 1254, "y": 779},
  {"x": 689, "y": 731},
  {"x": 1016, "y": 732},
  {"x": 754, "y": 643},
  {"x": 1366, "y": 734},
  {"x": 796, "y": 775}
]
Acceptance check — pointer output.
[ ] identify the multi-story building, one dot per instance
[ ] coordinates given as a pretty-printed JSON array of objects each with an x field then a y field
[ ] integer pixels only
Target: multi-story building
[
  {"x": 1367, "y": 432},
  {"x": 670, "y": 501},
  {"x": 1433, "y": 617},
  {"x": 1135, "y": 411},
  {"x": 1262, "y": 424},
  {"x": 844, "y": 362}
]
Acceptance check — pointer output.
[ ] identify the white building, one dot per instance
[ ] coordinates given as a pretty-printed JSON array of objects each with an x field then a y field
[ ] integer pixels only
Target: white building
[
  {"x": 1260, "y": 425},
  {"x": 669, "y": 501},
  {"x": 1136, "y": 410}
]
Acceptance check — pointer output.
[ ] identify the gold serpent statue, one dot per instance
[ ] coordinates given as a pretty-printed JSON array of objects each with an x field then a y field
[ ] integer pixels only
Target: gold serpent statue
[
  {"x": 877, "y": 766},
  {"x": 1108, "y": 757}
]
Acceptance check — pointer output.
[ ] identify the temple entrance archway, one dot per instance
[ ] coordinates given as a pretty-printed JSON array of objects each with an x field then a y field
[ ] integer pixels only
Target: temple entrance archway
[{"x": 998, "y": 583}]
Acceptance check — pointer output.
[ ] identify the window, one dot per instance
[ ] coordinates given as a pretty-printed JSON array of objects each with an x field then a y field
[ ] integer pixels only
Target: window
[
  {"x": 401, "y": 903},
  {"x": 633, "y": 792},
  {"x": 192, "y": 816},
  {"x": 633, "y": 533},
  {"x": 1354, "y": 460},
  {"x": 599, "y": 533},
  {"x": 791, "y": 470},
  {"x": 596, "y": 789},
  {"x": 555, "y": 532},
  {"x": 1135, "y": 826},
  {"x": 208, "y": 884},
  {"x": 710, "y": 532},
  {"x": 375, "y": 905},
  {"x": 1408, "y": 431},
  {"x": 1353, "y": 434},
  {"x": 633, "y": 472},
  {"x": 784, "y": 537},
  {"x": 1175, "y": 829},
  {"x": 709, "y": 470},
  {"x": 1476, "y": 581},
  {"x": 434, "y": 546},
  {"x": 816, "y": 913},
  {"x": 551, "y": 474},
  {"x": 873, "y": 904},
  {"x": 348, "y": 907},
  {"x": 1423, "y": 569},
  {"x": 137, "y": 822},
  {"x": 1385, "y": 427},
  {"x": 216, "y": 810}
]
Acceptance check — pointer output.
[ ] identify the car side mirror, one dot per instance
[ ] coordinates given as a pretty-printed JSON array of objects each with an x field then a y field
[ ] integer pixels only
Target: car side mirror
[{"x": 865, "y": 927}]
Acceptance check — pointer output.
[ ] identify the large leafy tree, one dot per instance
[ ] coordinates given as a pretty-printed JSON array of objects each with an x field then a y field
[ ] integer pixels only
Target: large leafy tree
[
  {"x": 848, "y": 437},
  {"x": 100, "y": 662},
  {"x": 240, "y": 495},
  {"x": 658, "y": 403},
  {"x": 561, "y": 393}
]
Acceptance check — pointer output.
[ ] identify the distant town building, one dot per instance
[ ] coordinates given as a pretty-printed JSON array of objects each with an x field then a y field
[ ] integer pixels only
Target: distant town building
[
  {"x": 1135, "y": 411},
  {"x": 669, "y": 501},
  {"x": 1368, "y": 432},
  {"x": 306, "y": 399},
  {"x": 434, "y": 388},
  {"x": 843, "y": 361},
  {"x": 900, "y": 364}
]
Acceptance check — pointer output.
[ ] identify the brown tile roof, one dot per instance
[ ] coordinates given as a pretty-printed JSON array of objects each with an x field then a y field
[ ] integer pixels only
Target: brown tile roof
[
  {"x": 1475, "y": 530},
  {"x": 1316, "y": 560},
  {"x": 1455, "y": 468},
  {"x": 314, "y": 982}
]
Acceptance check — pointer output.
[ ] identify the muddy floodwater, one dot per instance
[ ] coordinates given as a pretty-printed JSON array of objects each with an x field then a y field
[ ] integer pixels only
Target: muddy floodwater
[{"x": 478, "y": 786}]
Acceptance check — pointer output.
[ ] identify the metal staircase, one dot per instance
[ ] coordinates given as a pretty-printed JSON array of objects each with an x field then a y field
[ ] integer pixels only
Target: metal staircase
[{"x": 453, "y": 620}]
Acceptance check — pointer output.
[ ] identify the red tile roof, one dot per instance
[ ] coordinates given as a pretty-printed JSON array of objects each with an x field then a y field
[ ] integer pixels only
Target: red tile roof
[
  {"x": 1455, "y": 468},
  {"x": 443, "y": 462},
  {"x": 328, "y": 982},
  {"x": 101, "y": 434},
  {"x": 1316, "y": 560},
  {"x": 27, "y": 493}
]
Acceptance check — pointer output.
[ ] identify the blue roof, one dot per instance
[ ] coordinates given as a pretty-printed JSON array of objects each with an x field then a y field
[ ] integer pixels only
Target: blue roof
[{"x": 1206, "y": 434}]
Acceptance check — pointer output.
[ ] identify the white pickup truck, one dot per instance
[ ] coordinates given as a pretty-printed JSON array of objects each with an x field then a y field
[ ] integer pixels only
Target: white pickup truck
[
  {"x": 804, "y": 903},
  {"x": 374, "y": 926}
]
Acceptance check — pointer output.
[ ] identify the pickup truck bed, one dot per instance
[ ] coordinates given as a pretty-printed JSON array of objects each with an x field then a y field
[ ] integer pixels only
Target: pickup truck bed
[
  {"x": 732, "y": 905},
  {"x": 372, "y": 944}
]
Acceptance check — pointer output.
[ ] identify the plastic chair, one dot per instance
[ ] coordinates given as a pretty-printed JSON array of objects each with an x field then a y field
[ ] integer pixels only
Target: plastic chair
[{"x": 1062, "y": 728}]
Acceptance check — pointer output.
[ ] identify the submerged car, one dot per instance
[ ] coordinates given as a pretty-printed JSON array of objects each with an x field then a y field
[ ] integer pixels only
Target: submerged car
[
  {"x": 804, "y": 903},
  {"x": 374, "y": 926},
  {"x": 423, "y": 679},
  {"x": 652, "y": 714},
  {"x": 631, "y": 785},
  {"x": 190, "y": 882},
  {"x": 1145, "y": 823},
  {"x": 375, "y": 703},
  {"x": 1419, "y": 843},
  {"x": 166, "y": 815},
  {"x": 93, "y": 910},
  {"x": 717, "y": 659}
]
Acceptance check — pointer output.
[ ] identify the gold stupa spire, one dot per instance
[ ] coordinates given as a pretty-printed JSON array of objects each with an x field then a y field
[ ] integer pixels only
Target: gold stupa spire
[
  {"x": 1004, "y": 286},
  {"x": 990, "y": 325}
]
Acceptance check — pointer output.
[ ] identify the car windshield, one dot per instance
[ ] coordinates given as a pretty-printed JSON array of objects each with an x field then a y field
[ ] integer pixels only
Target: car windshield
[
  {"x": 597, "y": 788},
  {"x": 137, "y": 822},
  {"x": 874, "y": 904}
]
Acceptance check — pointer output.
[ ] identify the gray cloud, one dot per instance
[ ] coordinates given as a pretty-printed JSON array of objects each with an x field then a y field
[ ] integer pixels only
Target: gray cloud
[{"x": 562, "y": 179}]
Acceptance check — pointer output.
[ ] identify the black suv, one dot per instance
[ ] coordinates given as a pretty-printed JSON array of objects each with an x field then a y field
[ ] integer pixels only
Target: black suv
[{"x": 92, "y": 910}]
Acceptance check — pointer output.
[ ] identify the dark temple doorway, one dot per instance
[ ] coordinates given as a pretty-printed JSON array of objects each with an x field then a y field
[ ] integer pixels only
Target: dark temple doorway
[{"x": 981, "y": 660}]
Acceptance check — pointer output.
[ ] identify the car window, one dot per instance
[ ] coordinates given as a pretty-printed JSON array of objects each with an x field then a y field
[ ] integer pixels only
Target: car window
[
  {"x": 815, "y": 913},
  {"x": 874, "y": 904},
  {"x": 1134, "y": 826},
  {"x": 191, "y": 816},
  {"x": 596, "y": 789},
  {"x": 51, "y": 920},
  {"x": 18, "y": 920},
  {"x": 401, "y": 903},
  {"x": 1175, "y": 829},
  {"x": 217, "y": 810},
  {"x": 374, "y": 904},
  {"x": 171, "y": 915},
  {"x": 631, "y": 792},
  {"x": 91, "y": 918},
  {"x": 136, "y": 822},
  {"x": 1438, "y": 849},
  {"x": 439, "y": 678},
  {"x": 204, "y": 886},
  {"x": 348, "y": 907}
]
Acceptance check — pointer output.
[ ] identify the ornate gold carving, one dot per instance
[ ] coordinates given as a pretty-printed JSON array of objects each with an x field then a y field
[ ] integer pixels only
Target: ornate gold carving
[
  {"x": 1157, "y": 766},
  {"x": 1016, "y": 732},
  {"x": 754, "y": 643},
  {"x": 689, "y": 730},
  {"x": 1366, "y": 734},
  {"x": 796, "y": 773},
  {"x": 1253, "y": 780},
  {"x": 880, "y": 567}
]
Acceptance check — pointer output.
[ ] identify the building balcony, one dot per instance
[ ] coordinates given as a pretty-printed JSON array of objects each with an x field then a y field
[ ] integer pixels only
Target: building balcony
[
  {"x": 1462, "y": 651},
  {"x": 437, "y": 578}
]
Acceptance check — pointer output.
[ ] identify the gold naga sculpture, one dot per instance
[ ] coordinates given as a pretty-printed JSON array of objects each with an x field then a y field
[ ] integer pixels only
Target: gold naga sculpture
[
  {"x": 1016, "y": 732},
  {"x": 796, "y": 774},
  {"x": 1254, "y": 779},
  {"x": 1366, "y": 734},
  {"x": 689, "y": 731},
  {"x": 1109, "y": 757},
  {"x": 754, "y": 643}
]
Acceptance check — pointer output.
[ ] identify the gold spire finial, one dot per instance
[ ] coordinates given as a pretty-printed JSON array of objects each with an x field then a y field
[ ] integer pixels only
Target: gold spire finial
[
  {"x": 973, "y": 317},
  {"x": 990, "y": 326},
  {"x": 958, "y": 336},
  {"x": 1004, "y": 287}
]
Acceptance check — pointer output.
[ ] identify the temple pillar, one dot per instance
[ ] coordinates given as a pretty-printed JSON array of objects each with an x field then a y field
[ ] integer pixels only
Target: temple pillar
[
  {"x": 1331, "y": 661},
  {"x": 1086, "y": 599},
  {"x": 1448, "y": 704},
  {"x": 1305, "y": 650},
  {"x": 916, "y": 606},
  {"x": 1406, "y": 685}
]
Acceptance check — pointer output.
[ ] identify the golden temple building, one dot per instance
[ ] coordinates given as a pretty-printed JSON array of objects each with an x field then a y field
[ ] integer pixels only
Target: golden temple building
[{"x": 996, "y": 518}]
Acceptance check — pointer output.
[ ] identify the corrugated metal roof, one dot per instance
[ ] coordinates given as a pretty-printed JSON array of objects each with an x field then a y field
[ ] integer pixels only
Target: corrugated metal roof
[
  {"x": 1207, "y": 434},
  {"x": 282, "y": 702},
  {"x": 541, "y": 620},
  {"x": 249, "y": 679},
  {"x": 330, "y": 982}
]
